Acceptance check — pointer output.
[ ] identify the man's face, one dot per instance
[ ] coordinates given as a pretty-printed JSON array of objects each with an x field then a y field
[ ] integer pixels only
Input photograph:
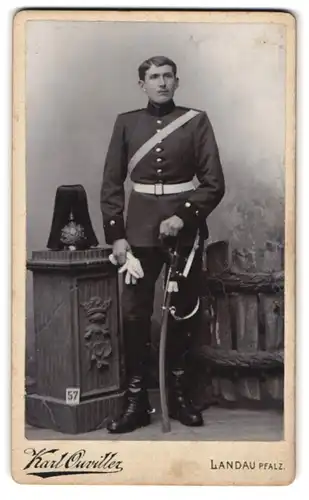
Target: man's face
[{"x": 160, "y": 84}]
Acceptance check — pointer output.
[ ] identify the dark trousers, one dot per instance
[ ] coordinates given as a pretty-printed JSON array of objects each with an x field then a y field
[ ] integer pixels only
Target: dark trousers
[{"x": 137, "y": 303}]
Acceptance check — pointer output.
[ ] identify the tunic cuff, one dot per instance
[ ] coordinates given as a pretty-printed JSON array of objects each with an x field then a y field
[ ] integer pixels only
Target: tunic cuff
[
  {"x": 189, "y": 213},
  {"x": 114, "y": 229}
]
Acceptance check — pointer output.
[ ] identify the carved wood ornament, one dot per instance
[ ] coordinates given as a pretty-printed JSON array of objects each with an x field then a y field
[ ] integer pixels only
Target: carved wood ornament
[{"x": 97, "y": 336}]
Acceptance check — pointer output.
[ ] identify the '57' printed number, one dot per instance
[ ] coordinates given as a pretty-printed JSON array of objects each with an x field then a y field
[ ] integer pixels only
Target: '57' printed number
[{"x": 72, "y": 395}]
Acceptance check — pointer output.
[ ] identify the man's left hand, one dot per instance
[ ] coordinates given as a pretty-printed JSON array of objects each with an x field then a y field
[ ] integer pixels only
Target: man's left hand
[{"x": 171, "y": 226}]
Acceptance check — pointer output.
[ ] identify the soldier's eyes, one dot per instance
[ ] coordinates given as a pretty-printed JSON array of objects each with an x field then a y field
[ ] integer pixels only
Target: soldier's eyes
[{"x": 156, "y": 75}]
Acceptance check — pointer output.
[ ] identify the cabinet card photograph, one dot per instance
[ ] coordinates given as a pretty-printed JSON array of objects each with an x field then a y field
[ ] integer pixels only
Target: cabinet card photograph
[{"x": 153, "y": 324}]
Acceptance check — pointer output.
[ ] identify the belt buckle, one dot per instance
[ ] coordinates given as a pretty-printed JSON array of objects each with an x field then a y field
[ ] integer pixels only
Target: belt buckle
[{"x": 158, "y": 189}]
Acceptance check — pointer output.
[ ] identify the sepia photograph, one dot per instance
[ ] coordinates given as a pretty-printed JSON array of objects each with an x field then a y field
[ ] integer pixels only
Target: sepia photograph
[{"x": 154, "y": 200}]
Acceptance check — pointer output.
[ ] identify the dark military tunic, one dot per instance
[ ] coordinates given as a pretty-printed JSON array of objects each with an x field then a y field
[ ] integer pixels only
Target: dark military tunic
[{"x": 189, "y": 151}]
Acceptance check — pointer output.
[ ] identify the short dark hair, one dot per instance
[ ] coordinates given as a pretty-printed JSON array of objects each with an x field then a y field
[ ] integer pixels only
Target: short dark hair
[{"x": 156, "y": 61}]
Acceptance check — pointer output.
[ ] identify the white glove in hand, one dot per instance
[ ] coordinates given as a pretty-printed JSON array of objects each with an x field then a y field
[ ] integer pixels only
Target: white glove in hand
[{"x": 132, "y": 266}]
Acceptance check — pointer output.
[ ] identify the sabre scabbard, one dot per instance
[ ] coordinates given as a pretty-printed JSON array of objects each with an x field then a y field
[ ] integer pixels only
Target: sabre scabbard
[{"x": 169, "y": 289}]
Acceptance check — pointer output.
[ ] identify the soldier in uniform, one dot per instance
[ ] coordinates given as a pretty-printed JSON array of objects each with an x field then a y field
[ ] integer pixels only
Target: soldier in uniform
[{"x": 164, "y": 203}]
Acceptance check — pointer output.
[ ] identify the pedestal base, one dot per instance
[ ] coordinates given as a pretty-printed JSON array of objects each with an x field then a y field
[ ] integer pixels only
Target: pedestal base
[
  {"x": 89, "y": 415},
  {"x": 78, "y": 341}
]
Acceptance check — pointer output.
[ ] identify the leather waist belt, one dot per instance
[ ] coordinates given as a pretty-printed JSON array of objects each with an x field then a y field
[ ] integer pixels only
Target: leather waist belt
[{"x": 161, "y": 189}]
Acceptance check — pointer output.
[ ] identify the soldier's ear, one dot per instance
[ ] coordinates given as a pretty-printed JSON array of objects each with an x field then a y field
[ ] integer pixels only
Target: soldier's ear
[
  {"x": 141, "y": 83},
  {"x": 177, "y": 83}
]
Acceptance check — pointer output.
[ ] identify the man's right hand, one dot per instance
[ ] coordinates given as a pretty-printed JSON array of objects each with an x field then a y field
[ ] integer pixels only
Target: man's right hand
[{"x": 120, "y": 249}]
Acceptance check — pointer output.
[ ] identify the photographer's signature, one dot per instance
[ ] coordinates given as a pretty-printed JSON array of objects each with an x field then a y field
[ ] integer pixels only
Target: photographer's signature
[{"x": 50, "y": 462}]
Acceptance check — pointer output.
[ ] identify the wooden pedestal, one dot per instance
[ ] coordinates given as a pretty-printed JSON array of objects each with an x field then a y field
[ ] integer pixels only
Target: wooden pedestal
[{"x": 79, "y": 360}]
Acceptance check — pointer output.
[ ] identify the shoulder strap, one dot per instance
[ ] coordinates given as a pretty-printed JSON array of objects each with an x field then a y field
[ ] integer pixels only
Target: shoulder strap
[{"x": 159, "y": 136}]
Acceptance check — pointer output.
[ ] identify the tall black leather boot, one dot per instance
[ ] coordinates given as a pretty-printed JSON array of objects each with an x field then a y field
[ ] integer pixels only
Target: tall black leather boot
[
  {"x": 136, "y": 412},
  {"x": 179, "y": 404}
]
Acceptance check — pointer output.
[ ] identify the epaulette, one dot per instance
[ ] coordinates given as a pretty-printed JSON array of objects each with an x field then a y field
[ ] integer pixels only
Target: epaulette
[
  {"x": 132, "y": 111},
  {"x": 185, "y": 108}
]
